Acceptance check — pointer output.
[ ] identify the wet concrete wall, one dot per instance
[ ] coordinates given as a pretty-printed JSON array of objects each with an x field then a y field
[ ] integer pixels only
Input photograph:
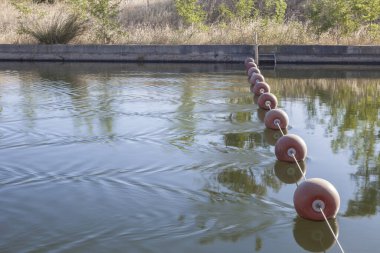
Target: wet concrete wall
[
  {"x": 296, "y": 54},
  {"x": 317, "y": 54}
]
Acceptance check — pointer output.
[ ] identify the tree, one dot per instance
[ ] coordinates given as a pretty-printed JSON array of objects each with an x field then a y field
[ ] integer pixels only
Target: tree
[
  {"x": 103, "y": 14},
  {"x": 368, "y": 12},
  {"x": 244, "y": 8},
  {"x": 275, "y": 9},
  {"x": 336, "y": 15},
  {"x": 191, "y": 11}
]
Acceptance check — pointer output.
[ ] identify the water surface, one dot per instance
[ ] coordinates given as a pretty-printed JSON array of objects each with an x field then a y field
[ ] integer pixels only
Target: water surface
[{"x": 175, "y": 158}]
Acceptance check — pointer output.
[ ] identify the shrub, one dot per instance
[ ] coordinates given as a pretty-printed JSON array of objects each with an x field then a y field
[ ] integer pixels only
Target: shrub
[
  {"x": 327, "y": 16},
  {"x": 104, "y": 17},
  {"x": 44, "y": 1},
  {"x": 191, "y": 11},
  {"x": 60, "y": 29},
  {"x": 244, "y": 8},
  {"x": 275, "y": 9}
]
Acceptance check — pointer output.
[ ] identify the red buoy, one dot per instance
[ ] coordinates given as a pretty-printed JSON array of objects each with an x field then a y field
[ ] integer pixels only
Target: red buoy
[
  {"x": 248, "y": 59},
  {"x": 250, "y": 65},
  {"x": 260, "y": 88},
  {"x": 288, "y": 146},
  {"x": 275, "y": 119},
  {"x": 315, "y": 194},
  {"x": 252, "y": 70},
  {"x": 267, "y": 101},
  {"x": 255, "y": 78}
]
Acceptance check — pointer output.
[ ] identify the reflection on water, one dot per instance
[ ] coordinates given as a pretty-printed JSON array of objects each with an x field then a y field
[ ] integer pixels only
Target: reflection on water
[
  {"x": 104, "y": 157},
  {"x": 271, "y": 136},
  {"x": 348, "y": 109},
  {"x": 242, "y": 140},
  {"x": 289, "y": 173},
  {"x": 245, "y": 181},
  {"x": 314, "y": 236}
]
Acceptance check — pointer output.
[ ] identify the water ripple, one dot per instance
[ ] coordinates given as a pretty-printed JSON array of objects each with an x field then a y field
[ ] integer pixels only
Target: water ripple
[{"x": 139, "y": 161}]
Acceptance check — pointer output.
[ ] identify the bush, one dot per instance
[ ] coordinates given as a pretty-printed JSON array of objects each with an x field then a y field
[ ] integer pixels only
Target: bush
[
  {"x": 58, "y": 30},
  {"x": 103, "y": 15},
  {"x": 44, "y": 1},
  {"x": 191, "y": 11},
  {"x": 342, "y": 16}
]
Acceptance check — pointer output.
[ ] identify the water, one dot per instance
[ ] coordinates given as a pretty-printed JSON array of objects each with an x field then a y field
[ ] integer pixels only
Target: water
[{"x": 176, "y": 158}]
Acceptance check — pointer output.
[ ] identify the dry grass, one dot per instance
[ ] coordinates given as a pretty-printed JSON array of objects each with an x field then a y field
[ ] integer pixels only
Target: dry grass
[
  {"x": 156, "y": 22},
  {"x": 8, "y": 23},
  {"x": 241, "y": 33},
  {"x": 58, "y": 28},
  {"x": 159, "y": 13}
]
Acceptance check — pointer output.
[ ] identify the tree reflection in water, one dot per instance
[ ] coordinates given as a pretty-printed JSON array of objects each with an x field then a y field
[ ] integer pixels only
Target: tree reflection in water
[
  {"x": 242, "y": 181},
  {"x": 348, "y": 109}
]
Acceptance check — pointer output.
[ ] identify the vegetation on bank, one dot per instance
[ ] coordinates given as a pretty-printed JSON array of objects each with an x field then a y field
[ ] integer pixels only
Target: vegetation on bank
[{"x": 190, "y": 21}]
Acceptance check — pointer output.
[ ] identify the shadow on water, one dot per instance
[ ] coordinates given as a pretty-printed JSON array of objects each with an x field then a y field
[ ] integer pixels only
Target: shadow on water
[
  {"x": 280, "y": 71},
  {"x": 59, "y": 69}
]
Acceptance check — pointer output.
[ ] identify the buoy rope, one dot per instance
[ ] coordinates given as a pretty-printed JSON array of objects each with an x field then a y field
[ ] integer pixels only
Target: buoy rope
[
  {"x": 299, "y": 167},
  {"x": 331, "y": 230},
  {"x": 279, "y": 128},
  {"x": 278, "y": 125},
  {"x": 303, "y": 175},
  {"x": 294, "y": 157}
]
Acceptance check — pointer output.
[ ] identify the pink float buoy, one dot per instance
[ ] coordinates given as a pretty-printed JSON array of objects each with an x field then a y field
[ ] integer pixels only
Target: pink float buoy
[
  {"x": 267, "y": 101},
  {"x": 288, "y": 146},
  {"x": 250, "y": 65},
  {"x": 248, "y": 59},
  {"x": 276, "y": 118},
  {"x": 315, "y": 194},
  {"x": 252, "y": 70},
  {"x": 255, "y": 78},
  {"x": 259, "y": 88}
]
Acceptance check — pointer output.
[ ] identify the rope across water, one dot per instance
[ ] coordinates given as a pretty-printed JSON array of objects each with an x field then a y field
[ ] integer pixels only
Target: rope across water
[
  {"x": 318, "y": 205},
  {"x": 331, "y": 230}
]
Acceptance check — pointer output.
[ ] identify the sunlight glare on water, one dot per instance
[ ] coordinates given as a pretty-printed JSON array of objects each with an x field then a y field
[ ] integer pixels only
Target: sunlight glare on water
[{"x": 176, "y": 158}]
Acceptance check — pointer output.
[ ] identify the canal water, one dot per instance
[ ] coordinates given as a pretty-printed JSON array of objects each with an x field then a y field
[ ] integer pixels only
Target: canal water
[{"x": 176, "y": 158}]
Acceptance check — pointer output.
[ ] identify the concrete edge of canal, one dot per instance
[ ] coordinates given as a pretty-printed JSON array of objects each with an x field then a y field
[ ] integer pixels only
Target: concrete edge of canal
[{"x": 268, "y": 54}]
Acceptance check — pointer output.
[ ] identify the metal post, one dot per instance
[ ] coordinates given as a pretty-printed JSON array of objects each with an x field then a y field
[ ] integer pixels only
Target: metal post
[{"x": 256, "y": 47}]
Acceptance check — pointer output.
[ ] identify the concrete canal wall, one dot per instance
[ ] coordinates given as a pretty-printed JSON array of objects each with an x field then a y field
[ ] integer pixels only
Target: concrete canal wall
[
  {"x": 193, "y": 53},
  {"x": 316, "y": 54}
]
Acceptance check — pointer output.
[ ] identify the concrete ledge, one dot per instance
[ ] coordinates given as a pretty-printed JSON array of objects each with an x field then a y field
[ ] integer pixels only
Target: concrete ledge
[
  {"x": 317, "y": 54},
  {"x": 126, "y": 53},
  {"x": 293, "y": 54}
]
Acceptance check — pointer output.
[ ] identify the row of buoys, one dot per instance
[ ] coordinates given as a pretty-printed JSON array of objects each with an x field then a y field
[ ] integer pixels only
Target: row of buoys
[{"x": 314, "y": 199}]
